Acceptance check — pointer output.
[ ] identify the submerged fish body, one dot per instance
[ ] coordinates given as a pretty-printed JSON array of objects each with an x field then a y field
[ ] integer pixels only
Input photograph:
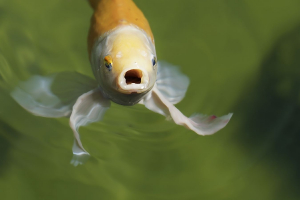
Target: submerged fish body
[{"x": 123, "y": 59}]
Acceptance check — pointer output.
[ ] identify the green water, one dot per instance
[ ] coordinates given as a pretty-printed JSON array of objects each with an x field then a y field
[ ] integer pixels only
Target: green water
[{"x": 241, "y": 57}]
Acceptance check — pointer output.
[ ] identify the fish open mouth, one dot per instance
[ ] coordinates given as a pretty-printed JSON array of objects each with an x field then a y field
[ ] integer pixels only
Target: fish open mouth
[
  {"x": 133, "y": 76},
  {"x": 133, "y": 81}
]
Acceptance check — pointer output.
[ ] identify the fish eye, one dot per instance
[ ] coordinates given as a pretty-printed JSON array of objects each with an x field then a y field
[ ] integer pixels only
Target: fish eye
[
  {"x": 108, "y": 62},
  {"x": 154, "y": 61}
]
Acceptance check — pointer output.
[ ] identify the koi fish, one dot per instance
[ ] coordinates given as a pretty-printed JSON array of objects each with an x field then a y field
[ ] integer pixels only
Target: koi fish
[{"x": 124, "y": 62}]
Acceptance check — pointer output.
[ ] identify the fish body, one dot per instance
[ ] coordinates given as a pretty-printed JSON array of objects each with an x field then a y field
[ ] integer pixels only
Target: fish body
[
  {"x": 109, "y": 14},
  {"x": 122, "y": 51},
  {"x": 124, "y": 62}
]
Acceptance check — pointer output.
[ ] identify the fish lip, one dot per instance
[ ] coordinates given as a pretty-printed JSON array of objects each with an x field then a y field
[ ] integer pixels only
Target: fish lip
[{"x": 123, "y": 87}]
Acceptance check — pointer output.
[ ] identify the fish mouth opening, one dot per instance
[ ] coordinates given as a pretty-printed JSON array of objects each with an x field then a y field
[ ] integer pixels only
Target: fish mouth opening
[
  {"x": 133, "y": 80},
  {"x": 133, "y": 76}
]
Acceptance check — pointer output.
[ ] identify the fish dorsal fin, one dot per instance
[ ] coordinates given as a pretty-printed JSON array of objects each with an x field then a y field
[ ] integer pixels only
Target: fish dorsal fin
[{"x": 171, "y": 83}]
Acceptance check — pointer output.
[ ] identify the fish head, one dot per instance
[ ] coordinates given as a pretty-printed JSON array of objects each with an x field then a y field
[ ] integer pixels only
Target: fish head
[{"x": 127, "y": 65}]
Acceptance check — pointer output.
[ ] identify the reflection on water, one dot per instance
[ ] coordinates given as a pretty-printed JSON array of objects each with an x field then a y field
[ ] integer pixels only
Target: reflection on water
[{"x": 242, "y": 58}]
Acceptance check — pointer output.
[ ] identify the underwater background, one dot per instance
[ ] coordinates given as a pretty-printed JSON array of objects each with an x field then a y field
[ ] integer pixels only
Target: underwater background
[{"x": 242, "y": 56}]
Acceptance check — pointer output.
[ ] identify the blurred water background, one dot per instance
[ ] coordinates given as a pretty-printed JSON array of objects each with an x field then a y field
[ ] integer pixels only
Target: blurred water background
[{"x": 242, "y": 56}]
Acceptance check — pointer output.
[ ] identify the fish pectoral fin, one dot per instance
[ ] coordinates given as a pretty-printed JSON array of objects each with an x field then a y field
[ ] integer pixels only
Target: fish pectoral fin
[
  {"x": 171, "y": 82},
  {"x": 53, "y": 95},
  {"x": 200, "y": 124},
  {"x": 79, "y": 156},
  {"x": 89, "y": 107}
]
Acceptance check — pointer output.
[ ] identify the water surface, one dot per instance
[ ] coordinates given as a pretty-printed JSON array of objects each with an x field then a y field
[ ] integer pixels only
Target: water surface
[{"x": 241, "y": 57}]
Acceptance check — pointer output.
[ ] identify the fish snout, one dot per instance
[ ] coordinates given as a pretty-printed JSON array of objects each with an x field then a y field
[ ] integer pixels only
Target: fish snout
[{"x": 133, "y": 81}]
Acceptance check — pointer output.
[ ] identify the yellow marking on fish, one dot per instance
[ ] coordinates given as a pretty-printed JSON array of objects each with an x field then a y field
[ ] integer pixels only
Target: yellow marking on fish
[
  {"x": 109, "y": 14},
  {"x": 108, "y": 59}
]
